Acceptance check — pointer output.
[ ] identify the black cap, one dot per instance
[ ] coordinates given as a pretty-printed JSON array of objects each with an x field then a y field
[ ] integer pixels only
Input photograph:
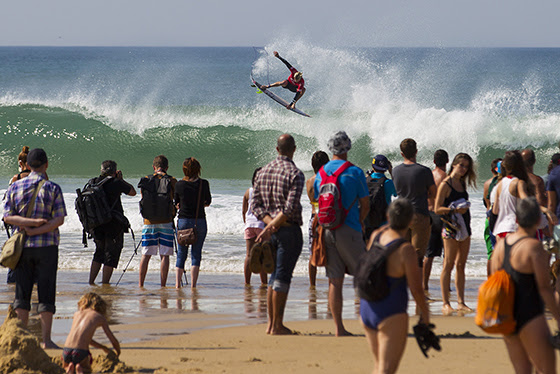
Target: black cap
[
  {"x": 37, "y": 157},
  {"x": 380, "y": 163}
]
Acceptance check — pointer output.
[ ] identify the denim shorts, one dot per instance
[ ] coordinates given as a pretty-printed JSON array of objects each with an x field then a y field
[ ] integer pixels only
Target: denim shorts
[
  {"x": 196, "y": 251},
  {"x": 41, "y": 264},
  {"x": 288, "y": 242}
]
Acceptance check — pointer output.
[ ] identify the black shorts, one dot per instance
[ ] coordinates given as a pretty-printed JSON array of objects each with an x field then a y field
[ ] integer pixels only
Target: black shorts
[
  {"x": 435, "y": 245},
  {"x": 290, "y": 86},
  {"x": 108, "y": 247},
  {"x": 37, "y": 264}
]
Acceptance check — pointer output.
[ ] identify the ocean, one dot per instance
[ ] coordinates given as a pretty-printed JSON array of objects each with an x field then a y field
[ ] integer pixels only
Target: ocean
[{"x": 129, "y": 104}]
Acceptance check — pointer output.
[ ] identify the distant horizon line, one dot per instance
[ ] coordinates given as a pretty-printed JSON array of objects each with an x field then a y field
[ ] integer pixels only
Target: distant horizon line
[{"x": 253, "y": 46}]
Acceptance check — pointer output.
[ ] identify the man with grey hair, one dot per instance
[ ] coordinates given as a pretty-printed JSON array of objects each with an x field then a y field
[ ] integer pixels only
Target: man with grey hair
[
  {"x": 345, "y": 244},
  {"x": 276, "y": 201}
]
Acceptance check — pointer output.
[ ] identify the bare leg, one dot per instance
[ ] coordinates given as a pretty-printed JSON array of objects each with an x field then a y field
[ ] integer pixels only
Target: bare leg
[
  {"x": 107, "y": 273},
  {"x": 164, "y": 270},
  {"x": 391, "y": 339},
  {"x": 427, "y": 270},
  {"x": 70, "y": 369},
  {"x": 517, "y": 355},
  {"x": 450, "y": 248},
  {"x": 93, "y": 271},
  {"x": 194, "y": 275},
  {"x": 279, "y": 304},
  {"x": 178, "y": 277},
  {"x": 270, "y": 310},
  {"x": 23, "y": 315},
  {"x": 460, "y": 264},
  {"x": 144, "y": 261},
  {"x": 371, "y": 336},
  {"x": 335, "y": 303},
  {"x": 276, "y": 84},
  {"x": 264, "y": 278},
  {"x": 312, "y": 275},
  {"x": 534, "y": 338},
  {"x": 247, "y": 266},
  {"x": 46, "y": 327}
]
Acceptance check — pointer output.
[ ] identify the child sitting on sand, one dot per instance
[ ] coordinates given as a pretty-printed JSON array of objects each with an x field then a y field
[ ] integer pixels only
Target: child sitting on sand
[{"x": 91, "y": 315}]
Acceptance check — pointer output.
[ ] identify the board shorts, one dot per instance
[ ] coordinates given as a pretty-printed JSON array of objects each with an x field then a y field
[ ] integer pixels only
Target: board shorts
[
  {"x": 435, "y": 245},
  {"x": 290, "y": 86},
  {"x": 158, "y": 238},
  {"x": 251, "y": 232},
  {"x": 108, "y": 247},
  {"x": 344, "y": 248},
  {"x": 419, "y": 235}
]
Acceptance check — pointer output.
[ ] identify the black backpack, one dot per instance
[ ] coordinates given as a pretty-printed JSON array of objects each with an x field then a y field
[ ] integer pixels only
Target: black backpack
[
  {"x": 93, "y": 207},
  {"x": 371, "y": 281},
  {"x": 377, "y": 203},
  {"x": 157, "y": 201}
]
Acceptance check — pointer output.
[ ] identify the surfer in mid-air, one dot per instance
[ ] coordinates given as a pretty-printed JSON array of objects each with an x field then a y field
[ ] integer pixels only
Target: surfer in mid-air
[{"x": 294, "y": 83}]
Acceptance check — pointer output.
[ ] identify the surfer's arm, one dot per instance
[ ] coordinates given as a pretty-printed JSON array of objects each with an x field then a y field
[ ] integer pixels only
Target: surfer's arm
[{"x": 281, "y": 59}]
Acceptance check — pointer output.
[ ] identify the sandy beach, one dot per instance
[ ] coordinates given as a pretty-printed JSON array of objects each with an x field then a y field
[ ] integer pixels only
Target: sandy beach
[
  {"x": 220, "y": 329},
  {"x": 243, "y": 349}
]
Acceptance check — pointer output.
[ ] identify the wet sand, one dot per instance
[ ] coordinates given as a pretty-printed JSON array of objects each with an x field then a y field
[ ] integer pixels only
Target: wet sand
[{"x": 219, "y": 328}]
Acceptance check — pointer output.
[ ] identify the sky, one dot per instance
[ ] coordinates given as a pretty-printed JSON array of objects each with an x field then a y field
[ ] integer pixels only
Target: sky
[{"x": 365, "y": 23}]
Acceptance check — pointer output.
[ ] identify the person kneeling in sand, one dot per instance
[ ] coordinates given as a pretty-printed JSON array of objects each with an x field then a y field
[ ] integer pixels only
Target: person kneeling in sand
[{"x": 91, "y": 315}]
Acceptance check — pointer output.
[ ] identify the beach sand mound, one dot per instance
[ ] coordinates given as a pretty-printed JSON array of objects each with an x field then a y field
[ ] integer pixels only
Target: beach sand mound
[
  {"x": 20, "y": 351},
  {"x": 110, "y": 363}
]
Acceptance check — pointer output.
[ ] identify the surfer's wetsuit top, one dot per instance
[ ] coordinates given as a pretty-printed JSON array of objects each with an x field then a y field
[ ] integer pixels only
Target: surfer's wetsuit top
[{"x": 292, "y": 85}]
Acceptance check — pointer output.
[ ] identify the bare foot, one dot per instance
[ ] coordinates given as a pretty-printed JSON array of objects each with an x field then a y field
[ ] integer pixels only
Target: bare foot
[
  {"x": 344, "y": 333},
  {"x": 464, "y": 308},
  {"x": 49, "y": 345},
  {"x": 447, "y": 310},
  {"x": 283, "y": 330}
]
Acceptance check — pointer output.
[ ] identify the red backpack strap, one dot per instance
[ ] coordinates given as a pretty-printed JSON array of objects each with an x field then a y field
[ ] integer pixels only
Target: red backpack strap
[{"x": 338, "y": 171}]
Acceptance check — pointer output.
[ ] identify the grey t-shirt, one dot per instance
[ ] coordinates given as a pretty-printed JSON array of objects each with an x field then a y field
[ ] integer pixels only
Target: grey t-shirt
[{"x": 412, "y": 181}]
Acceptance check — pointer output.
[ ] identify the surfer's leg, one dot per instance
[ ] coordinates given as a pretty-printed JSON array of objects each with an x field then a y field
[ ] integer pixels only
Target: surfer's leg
[{"x": 280, "y": 83}]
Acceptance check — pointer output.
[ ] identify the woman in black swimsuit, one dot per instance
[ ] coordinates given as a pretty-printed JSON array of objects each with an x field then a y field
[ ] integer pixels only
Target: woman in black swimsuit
[
  {"x": 524, "y": 259},
  {"x": 451, "y": 189}
]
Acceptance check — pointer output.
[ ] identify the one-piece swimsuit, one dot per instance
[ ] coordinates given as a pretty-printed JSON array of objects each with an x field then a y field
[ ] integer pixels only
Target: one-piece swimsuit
[
  {"x": 528, "y": 302},
  {"x": 374, "y": 312}
]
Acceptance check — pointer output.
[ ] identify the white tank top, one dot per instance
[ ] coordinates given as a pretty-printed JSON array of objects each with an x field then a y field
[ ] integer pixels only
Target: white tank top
[
  {"x": 506, "y": 205},
  {"x": 250, "y": 219}
]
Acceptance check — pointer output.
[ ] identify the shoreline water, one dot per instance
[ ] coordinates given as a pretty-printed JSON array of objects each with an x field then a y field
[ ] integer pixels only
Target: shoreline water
[{"x": 220, "y": 300}]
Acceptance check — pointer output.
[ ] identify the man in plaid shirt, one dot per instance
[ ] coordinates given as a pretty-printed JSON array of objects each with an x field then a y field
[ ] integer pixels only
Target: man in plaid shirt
[
  {"x": 39, "y": 259},
  {"x": 276, "y": 202}
]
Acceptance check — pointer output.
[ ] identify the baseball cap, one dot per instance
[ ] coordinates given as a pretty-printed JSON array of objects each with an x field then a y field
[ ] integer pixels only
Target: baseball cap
[
  {"x": 36, "y": 158},
  {"x": 380, "y": 163}
]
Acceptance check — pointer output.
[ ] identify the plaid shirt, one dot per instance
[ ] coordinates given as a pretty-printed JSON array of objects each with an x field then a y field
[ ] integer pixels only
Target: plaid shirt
[
  {"x": 49, "y": 204},
  {"x": 278, "y": 188}
]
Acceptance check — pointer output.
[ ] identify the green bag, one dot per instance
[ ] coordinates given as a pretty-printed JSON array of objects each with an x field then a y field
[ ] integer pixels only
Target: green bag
[{"x": 11, "y": 250}]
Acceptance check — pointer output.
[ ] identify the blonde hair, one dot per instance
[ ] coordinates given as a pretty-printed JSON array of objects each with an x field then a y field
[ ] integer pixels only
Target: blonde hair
[{"x": 91, "y": 300}]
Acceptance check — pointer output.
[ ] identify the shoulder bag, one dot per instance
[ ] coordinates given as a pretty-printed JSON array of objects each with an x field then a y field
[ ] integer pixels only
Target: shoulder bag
[
  {"x": 188, "y": 236},
  {"x": 11, "y": 250}
]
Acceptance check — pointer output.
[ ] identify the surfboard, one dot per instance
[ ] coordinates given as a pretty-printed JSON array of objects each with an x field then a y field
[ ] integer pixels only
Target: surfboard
[{"x": 277, "y": 98}]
